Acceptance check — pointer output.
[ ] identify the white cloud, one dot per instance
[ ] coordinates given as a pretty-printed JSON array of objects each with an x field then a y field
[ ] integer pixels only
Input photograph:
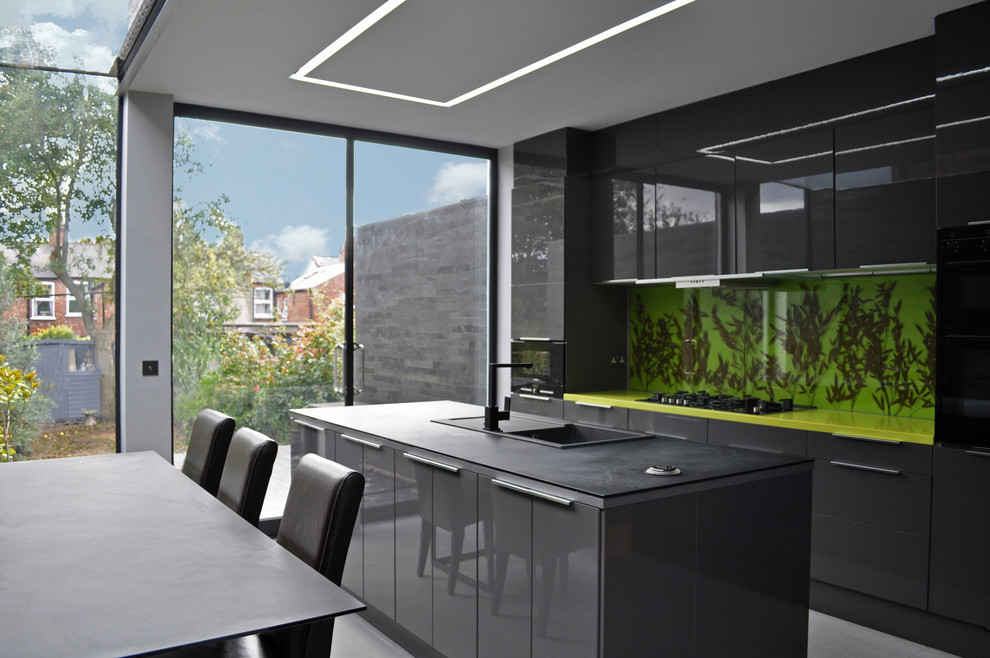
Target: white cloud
[
  {"x": 72, "y": 45},
  {"x": 295, "y": 244},
  {"x": 205, "y": 131},
  {"x": 457, "y": 181}
]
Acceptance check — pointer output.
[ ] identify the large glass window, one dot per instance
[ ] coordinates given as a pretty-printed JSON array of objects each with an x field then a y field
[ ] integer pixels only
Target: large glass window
[
  {"x": 262, "y": 313},
  {"x": 258, "y": 225},
  {"x": 420, "y": 274},
  {"x": 58, "y": 124}
]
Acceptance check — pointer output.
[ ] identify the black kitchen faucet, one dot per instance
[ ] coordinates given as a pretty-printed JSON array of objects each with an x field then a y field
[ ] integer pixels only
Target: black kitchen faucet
[{"x": 492, "y": 413}]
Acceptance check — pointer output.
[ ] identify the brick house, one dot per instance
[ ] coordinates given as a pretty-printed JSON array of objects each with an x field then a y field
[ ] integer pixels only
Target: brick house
[
  {"x": 298, "y": 303},
  {"x": 91, "y": 264}
]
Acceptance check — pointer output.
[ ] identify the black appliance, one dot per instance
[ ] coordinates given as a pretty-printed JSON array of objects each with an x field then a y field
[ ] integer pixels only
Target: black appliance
[
  {"x": 546, "y": 377},
  {"x": 962, "y": 352},
  {"x": 744, "y": 404}
]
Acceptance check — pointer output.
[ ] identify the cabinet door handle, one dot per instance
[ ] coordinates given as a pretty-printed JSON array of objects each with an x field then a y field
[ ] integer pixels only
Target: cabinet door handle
[
  {"x": 529, "y": 396},
  {"x": 312, "y": 427},
  {"x": 860, "y": 467},
  {"x": 977, "y": 453},
  {"x": 892, "y": 266},
  {"x": 679, "y": 418},
  {"x": 535, "y": 339},
  {"x": 867, "y": 438},
  {"x": 592, "y": 404},
  {"x": 430, "y": 462},
  {"x": 354, "y": 439},
  {"x": 533, "y": 492},
  {"x": 796, "y": 270}
]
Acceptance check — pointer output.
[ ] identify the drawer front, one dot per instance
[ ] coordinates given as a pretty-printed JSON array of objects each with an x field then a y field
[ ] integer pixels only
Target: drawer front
[
  {"x": 607, "y": 416},
  {"x": 898, "y": 456},
  {"x": 781, "y": 440},
  {"x": 537, "y": 404},
  {"x": 884, "y": 563},
  {"x": 897, "y": 500},
  {"x": 673, "y": 425}
]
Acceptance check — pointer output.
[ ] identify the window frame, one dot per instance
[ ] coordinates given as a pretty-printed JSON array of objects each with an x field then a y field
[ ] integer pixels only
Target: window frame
[
  {"x": 270, "y": 315},
  {"x": 70, "y": 299},
  {"x": 40, "y": 299}
]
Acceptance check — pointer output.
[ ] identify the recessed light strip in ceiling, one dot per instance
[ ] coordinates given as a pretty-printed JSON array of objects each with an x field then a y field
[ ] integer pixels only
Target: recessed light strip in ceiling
[{"x": 303, "y": 73}]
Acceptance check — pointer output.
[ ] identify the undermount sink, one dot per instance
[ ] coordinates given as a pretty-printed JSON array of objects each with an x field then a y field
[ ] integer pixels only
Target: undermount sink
[{"x": 548, "y": 433}]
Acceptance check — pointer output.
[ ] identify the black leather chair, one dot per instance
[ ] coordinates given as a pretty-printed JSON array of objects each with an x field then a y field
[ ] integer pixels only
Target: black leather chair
[
  {"x": 316, "y": 527},
  {"x": 208, "y": 443},
  {"x": 246, "y": 473}
]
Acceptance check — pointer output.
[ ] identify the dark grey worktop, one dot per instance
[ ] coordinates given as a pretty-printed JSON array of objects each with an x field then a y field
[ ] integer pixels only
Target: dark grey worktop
[{"x": 601, "y": 471}]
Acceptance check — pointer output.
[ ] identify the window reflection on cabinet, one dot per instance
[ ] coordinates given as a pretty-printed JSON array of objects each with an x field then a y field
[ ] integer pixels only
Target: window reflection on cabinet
[
  {"x": 963, "y": 140},
  {"x": 544, "y": 593},
  {"x": 693, "y": 211},
  {"x": 368, "y": 570},
  {"x": 885, "y": 190},
  {"x": 436, "y": 555},
  {"x": 785, "y": 203}
]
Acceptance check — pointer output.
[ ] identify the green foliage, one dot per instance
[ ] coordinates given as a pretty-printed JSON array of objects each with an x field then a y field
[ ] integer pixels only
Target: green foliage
[
  {"x": 56, "y": 332},
  {"x": 209, "y": 277},
  {"x": 16, "y": 389},
  {"x": 654, "y": 346},
  {"x": 258, "y": 379},
  {"x": 58, "y": 146},
  {"x": 869, "y": 344},
  {"x": 19, "y": 352}
]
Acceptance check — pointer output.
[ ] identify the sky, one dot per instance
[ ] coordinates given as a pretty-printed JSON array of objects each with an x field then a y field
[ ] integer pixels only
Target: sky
[
  {"x": 86, "y": 34},
  {"x": 286, "y": 190}
]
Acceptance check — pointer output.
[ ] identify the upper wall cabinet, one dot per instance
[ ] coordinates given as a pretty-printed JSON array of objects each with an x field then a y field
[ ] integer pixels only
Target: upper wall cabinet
[
  {"x": 963, "y": 115},
  {"x": 885, "y": 189},
  {"x": 693, "y": 213},
  {"x": 623, "y": 208},
  {"x": 785, "y": 203}
]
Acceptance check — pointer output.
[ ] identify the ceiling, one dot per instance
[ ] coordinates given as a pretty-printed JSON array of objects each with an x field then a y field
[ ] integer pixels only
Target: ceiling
[{"x": 240, "y": 54}]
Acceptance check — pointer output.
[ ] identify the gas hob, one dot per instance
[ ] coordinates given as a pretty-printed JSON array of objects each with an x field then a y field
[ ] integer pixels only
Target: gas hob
[{"x": 745, "y": 404}]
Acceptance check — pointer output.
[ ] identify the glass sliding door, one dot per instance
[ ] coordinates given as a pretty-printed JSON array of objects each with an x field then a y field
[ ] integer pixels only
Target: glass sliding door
[
  {"x": 257, "y": 294},
  {"x": 420, "y": 268}
]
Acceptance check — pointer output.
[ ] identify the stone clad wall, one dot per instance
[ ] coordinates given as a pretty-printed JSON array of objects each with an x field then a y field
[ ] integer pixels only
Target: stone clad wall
[{"x": 421, "y": 304}]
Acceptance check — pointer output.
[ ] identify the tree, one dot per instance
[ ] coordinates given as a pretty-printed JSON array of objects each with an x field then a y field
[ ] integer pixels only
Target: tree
[
  {"x": 209, "y": 277},
  {"x": 20, "y": 353},
  {"x": 58, "y": 152}
]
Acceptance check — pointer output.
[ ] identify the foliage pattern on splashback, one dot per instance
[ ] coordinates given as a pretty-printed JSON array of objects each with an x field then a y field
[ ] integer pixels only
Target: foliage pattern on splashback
[{"x": 863, "y": 344}]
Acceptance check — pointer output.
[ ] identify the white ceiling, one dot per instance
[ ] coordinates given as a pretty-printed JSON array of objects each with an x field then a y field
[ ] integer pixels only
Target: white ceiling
[{"x": 239, "y": 54}]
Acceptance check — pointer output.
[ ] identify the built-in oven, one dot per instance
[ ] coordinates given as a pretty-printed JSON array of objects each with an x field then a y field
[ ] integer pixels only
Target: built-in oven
[
  {"x": 546, "y": 377},
  {"x": 962, "y": 357}
]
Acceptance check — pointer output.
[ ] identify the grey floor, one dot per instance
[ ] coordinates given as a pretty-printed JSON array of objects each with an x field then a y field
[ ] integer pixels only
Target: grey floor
[{"x": 828, "y": 637}]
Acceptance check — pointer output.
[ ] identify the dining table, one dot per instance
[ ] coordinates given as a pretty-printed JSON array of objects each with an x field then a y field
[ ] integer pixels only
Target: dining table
[{"x": 122, "y": 555}]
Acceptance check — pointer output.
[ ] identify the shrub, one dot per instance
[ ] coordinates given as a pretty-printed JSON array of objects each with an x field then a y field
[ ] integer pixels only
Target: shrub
[{"x": 57, "y": 332}]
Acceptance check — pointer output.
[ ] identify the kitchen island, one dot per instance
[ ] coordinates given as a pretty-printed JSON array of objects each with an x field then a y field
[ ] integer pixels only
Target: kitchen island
[{"x": 480, "y": 544}]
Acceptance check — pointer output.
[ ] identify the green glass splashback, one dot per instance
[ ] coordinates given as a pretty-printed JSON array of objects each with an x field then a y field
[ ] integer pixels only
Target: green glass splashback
[{"x": 857, "y": 344}]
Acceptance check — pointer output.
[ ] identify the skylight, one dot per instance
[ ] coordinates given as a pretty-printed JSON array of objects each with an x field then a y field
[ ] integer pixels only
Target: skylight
[{"x": 303, "y": 74}]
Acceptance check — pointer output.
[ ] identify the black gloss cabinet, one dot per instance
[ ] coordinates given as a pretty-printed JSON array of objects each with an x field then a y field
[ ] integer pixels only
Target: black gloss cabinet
[
  {"x": 885, "y": 188},
  {"x": 552, "y": 296},
  {"x": 785, "y": 203},
  {"x": 962, "y": 98},
  {"x": 960, "y": 572}
]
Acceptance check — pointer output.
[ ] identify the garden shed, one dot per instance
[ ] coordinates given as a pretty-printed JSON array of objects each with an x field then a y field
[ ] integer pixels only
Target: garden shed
[{"x": 67, "y": 369}]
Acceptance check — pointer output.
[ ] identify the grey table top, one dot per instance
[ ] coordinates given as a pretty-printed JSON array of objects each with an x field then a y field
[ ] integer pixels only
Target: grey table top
[
  {"x": 606, "y": 472},
  {"x": 117, "y": 555}
]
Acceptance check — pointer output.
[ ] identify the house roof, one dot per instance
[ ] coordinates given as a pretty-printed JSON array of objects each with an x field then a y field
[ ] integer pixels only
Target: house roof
[
  {"x": 85, "y": 260},
  {"x": 320, "y": 270}
]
